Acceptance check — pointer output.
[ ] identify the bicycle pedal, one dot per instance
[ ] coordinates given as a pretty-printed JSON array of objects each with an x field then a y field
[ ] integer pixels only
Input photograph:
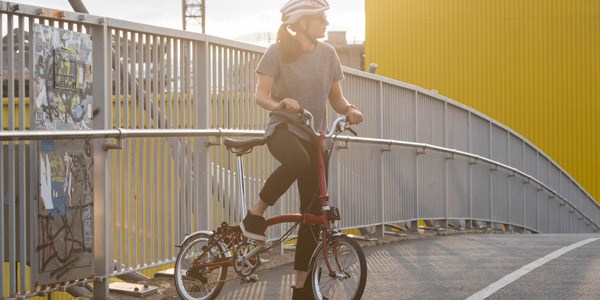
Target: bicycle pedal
[{"x": 262, "y": 261}]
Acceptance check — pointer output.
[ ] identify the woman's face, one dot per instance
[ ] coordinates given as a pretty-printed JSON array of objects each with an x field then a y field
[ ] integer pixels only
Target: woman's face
[{"x": 317, "y": 26}]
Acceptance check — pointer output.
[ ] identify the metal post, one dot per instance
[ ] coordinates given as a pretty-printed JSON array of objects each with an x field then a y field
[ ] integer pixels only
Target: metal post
[
  {"x": 469, "y": 223},
  {"x": 490, "y": 223},
  {"x": 380, "y": 230},
  {"x": 202, "y": 102},
  {"x": 102, "y": 262},
  {"x": 414, "y": 226}
]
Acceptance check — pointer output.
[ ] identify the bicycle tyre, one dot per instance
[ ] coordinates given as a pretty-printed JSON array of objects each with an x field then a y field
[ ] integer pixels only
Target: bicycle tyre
[
  {"x": 348, "y": 260},
  {"x": 199, "y": 284}
]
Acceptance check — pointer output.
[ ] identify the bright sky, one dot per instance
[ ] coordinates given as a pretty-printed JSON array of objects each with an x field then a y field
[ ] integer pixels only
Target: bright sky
[{"x": 224, "y": 18}]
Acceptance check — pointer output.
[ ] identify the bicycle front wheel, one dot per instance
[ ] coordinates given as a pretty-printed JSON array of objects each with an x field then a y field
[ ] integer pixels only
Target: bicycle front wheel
[
  {"x": 198, "y": 274},
  {"x": 347, "y": 277}
]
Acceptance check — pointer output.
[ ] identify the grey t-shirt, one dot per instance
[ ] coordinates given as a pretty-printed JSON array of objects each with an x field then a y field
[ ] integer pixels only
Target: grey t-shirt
[{"x": 308, "y": 80}]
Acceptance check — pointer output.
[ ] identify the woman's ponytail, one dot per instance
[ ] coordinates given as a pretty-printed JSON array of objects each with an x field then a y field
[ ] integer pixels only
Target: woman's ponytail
[{"x": 291, "y": 49}]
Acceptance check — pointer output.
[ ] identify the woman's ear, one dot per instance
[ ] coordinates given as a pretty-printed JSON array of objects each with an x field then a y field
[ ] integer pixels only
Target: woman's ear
[{"x": 303, "y": 23}]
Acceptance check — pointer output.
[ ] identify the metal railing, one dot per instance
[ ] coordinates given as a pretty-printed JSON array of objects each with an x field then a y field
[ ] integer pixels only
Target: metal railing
[{"x": 164, "y": 97}]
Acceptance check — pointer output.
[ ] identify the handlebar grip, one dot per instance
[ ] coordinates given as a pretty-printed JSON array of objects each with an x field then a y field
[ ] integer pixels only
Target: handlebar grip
[{"x": 301, "y": 111}]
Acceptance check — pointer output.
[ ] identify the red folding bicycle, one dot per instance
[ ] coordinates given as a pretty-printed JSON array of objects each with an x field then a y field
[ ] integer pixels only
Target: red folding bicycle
[{"x": 337, "y": 270}]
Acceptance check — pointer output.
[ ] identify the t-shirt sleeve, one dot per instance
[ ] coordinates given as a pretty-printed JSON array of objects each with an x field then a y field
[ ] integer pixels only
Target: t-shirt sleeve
[
  {"x": 338, "y": 74},
  {"x": 269, "y": 63}
]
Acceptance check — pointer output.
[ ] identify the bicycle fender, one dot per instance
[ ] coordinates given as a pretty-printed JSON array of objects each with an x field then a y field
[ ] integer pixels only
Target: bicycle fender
[{"x": 193, "y": 234}]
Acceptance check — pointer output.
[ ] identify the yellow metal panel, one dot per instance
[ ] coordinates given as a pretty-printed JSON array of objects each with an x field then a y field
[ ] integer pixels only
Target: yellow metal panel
[{"x": 532, "y": 65}]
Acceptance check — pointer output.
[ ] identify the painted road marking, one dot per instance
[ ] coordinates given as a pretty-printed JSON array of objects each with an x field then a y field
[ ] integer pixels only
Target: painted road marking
[{"x": 506, "y": 280}]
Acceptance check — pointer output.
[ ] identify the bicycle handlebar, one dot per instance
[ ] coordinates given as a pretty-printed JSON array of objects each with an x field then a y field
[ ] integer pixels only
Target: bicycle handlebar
[{"x": 306, "y": 118}]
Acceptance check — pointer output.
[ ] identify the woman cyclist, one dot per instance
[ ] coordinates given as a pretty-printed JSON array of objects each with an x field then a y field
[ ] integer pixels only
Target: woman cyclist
[{"x": 297, "y": 71}]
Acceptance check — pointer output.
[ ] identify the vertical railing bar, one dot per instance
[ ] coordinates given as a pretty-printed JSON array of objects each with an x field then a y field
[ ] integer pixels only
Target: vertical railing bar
[
  {"x": 176, "y": 86},
  {"x": 252, "y": 118},
  {"x": 416, "y": 164},
  {"x": 233, "y": 188},
  {"x": 216, "y": 122},
  {"x": 194, "y": 115},
  {"x": 237, "y": 90},
  {"x": 141, "y": 159},
  {"x": 157, "y": 222},
  {"x": 183, "y": 120},
  {"x": 220, "y": 164},
  {"x": 190, "y": 87},
  {"x": 524, "y": 188},
  {"x": 168, "y": 85},
  {"x": 509, "y": 190},
  {"x": 470, "y": 125},
  {"x": 560, "y": 213},
  {"x": 446, "y": 162},
  {"x": 182, "y": 94},
  {"x": 177, "y": 151},
  {"x": 2, "y": 198},
  {"x": 244, "y": 91},
  {"x": 183, "y": 171},
  {"x": 189, "y": 142},
  {"x": 135, "y": 149},
  {"x": 12, "y": 231},
  {"x": 161, "y": 195},
  {"x": 537, "y": 193},
  {"x": 108, "y": 185},
  {"x": 491, "y": 178},
  {"x": 382, "y": 134},
  {"x": 213, "y": 111},
  {"x": 127, "y": 182},
  {"x": 219, "y": 74},
  {"x": 23, "y": 228},
  {"x": 147, "y": 189},
  {"x": 33, "y": 154},
  {"x": 168, "y": 142},
  {"x": 118, "y": 154}
]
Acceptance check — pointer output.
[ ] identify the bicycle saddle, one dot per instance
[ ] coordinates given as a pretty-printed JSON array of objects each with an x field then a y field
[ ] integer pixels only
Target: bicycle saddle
[{"x": 244, "y": 145}]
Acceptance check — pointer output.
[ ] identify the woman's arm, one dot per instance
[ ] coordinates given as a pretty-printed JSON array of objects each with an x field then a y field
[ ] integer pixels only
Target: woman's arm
[
  {"x": 342, "y": 106},
  {"x": 264, "y": 100}
]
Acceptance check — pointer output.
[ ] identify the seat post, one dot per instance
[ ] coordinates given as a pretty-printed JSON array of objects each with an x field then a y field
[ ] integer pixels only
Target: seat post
[{"x": 240, "y": 168}]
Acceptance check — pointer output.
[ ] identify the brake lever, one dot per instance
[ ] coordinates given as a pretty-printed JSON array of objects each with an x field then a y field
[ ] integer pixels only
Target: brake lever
[{"x": 352, "y": 131}]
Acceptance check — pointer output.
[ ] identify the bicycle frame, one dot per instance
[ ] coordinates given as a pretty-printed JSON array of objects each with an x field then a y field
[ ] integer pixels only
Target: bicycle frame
[{"x": 231, "y": 233}]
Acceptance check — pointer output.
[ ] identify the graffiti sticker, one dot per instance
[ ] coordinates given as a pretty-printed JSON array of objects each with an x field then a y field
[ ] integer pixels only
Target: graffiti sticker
[
  {"x": 62, "y": 84},
  {"x": 62, "y": 100}
]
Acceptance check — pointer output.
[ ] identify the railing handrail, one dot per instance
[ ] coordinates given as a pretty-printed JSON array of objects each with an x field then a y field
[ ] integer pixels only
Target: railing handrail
[{"x": 123, "y": 133}]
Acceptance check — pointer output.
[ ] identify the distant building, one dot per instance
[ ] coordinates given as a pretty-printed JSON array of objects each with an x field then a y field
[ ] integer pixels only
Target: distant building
[
  {"x": 257, "y": 38},
  {"x": 351, "y": 55}
]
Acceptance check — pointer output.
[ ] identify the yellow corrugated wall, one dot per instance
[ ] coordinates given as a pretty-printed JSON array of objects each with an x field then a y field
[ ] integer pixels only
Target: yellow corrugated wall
[{"x": 533, "y": 65}]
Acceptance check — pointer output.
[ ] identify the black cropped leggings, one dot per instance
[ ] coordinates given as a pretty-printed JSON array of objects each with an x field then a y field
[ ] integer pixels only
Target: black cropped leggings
[{"x": 299, "y": 162}]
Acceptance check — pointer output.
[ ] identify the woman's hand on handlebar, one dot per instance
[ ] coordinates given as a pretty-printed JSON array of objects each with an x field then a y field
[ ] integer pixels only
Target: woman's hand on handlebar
[
  {"x": 354, "y": 116},
  {"x": 289, "y": 105}
]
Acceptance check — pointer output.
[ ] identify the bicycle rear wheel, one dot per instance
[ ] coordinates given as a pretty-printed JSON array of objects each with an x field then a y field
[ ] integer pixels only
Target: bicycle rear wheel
[
  {"x": 193, "y": 282},
  {"x": 349, "y": 270}
]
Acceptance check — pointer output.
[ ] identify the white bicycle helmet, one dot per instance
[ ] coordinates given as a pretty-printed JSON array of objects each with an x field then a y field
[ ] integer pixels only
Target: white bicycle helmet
[{"x": 293, "y": 10}]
